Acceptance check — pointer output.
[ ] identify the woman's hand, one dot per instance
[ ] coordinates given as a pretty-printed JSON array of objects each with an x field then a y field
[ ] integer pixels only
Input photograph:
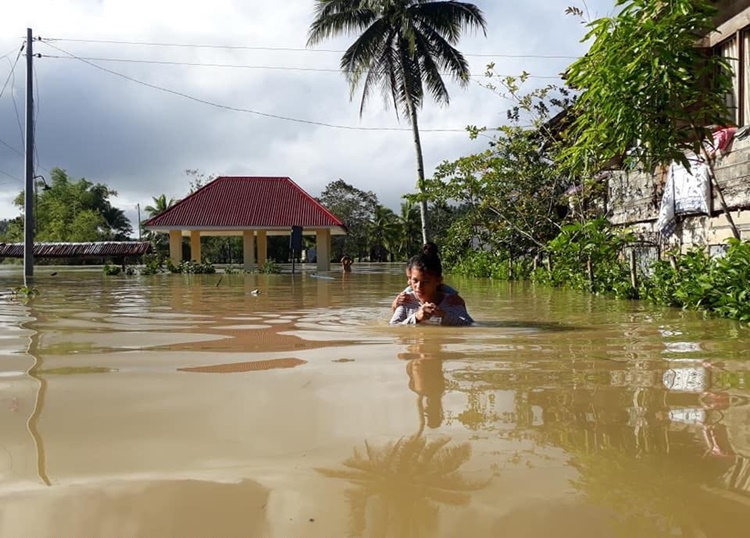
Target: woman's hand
[
  {"x": 427, "y": 311},
  {"x": 402, "y": 299}
]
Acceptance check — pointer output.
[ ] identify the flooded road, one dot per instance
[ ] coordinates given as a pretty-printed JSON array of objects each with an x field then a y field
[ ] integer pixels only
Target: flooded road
[{"x": 178, "y": 405}]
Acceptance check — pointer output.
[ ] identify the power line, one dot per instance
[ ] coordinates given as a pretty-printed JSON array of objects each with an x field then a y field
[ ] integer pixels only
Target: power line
[
  {"x": 13, "y": 98},
  {"x": 4, "y": 143},
  {"x": 249, "y": 111},
  {"x": 10, "y": 52},
  {"x": 236, "y": 66},
  {"x": 3, "y": 172},
  {"x": 283, "y": 49},
  {"x": 12, "y": 69}
]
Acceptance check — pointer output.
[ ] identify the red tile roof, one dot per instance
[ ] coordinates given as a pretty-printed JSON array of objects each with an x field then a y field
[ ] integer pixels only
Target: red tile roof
[{"x": 246, "y": 202}]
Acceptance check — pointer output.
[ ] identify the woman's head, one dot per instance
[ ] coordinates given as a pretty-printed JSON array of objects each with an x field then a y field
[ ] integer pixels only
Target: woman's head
[
  {"x": 430, "y": 249},
  {"x": 425, "y": 276}
]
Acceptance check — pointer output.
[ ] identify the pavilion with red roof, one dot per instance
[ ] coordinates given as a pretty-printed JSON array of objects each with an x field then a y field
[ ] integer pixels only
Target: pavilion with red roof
[{"x": 253, "y": 207}]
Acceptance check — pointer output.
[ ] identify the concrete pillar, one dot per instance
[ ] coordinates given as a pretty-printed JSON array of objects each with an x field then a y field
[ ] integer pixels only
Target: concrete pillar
[
  {"x": 262, "y": 248},
  {"x": 323, "y": 243},
  {"x": 195, "y": 245},
  {"x": 248, "y": 250},
  {"x": 175, "y": 246}
]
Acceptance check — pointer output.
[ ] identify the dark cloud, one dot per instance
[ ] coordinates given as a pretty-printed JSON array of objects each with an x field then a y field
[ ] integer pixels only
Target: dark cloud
[{"x": 139, "y": 140}]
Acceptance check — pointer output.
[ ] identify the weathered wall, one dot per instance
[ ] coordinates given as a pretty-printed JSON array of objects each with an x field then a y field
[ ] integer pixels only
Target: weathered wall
[{"x": 634, "y": 199}]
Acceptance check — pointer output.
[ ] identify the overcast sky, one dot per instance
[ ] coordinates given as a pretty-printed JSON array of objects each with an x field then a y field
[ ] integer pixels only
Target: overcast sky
[{"x": 139, "y": 139}]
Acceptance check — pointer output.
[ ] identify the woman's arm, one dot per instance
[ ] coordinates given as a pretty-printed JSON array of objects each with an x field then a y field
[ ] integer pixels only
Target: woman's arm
[
  {"x": 454, "y": 314},
  {"x": 404, "y": 316}
]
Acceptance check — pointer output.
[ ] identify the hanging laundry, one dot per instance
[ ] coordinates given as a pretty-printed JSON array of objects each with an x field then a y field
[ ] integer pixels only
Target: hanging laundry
[
  {"x": 692, "y": 188},
  {"x": 721, "y": 140},
  {"x": 687, "y": 192}
]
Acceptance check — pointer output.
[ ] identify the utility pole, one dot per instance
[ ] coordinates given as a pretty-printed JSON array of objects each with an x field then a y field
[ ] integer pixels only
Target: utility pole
[
  {"x": 28, "y": 229},
  {"x": 138, "y": 207}
]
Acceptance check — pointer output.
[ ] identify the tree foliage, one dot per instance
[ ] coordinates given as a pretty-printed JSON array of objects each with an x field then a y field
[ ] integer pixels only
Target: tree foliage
[
  {"x": 356, "y": 209},
  {"x": 508, "y": 198},
  {"x": 73, "y": 211},
  {"x": 646, "y": 83},
  {"x": 404, "y": 48}
]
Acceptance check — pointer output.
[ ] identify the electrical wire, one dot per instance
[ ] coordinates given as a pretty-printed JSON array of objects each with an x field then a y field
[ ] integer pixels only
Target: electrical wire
[
  {"x": 4, "y": 143},
  {"x": 15, "y": 104},
  {"x": 36, "y": 119},
  {"x": 3, "y": 172},
  {"x": 13, "y": 68},
  {"x": 283, "y": 49},
  {"x": 246, "y": 110},
  {"x": 240, "y": 66}
]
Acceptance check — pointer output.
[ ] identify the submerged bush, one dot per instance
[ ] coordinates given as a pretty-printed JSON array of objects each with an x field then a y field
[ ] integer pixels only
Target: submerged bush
[
  {"x": 111, "y": 270},
  {"x": 191, "y": 267},
  {"x": 269, "y": 267},
  {"x": 695, "y": 280},
  {"x": 588, "y": 256}
]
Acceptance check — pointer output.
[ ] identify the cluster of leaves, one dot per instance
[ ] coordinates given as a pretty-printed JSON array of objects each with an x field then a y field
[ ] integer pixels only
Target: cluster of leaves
[
  {"x": 71, "y": 210},
  {"x": 588, "y": 256},
  {"x": 191, "y": 267},
  {"x": 111, "y": 270},
  {"x": 486, "y": 264},
  {"x": 25, "y": 292},
  {"x": 270, "y": 267},
  {"x": 720, "y": 285},
  {"x": 644, "y": 81},
  {"x": 152, "y": 264},
  {"x": 508, "y": 199},
  {"x": 375, "y": 232}
]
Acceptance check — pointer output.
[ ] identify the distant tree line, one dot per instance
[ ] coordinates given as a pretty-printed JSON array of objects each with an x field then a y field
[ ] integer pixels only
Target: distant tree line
[{"x": 70, "y": 210}]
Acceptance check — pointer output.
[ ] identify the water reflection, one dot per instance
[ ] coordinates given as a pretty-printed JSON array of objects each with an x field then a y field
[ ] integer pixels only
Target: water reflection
[
  {"x": 399, "y": 486},
  {"x": 424, "y": 367},
  {"x": 33, "y": 372},
  {"x": 651, "y": 440},
  {"x": 595, "y": 418}
]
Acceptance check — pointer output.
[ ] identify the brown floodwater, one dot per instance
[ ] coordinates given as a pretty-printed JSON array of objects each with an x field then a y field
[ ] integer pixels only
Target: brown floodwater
[{"x": 177, "y": 405}]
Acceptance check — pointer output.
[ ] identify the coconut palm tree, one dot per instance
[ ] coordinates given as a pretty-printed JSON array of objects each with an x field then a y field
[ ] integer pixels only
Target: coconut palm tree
[
  {"x": 161, "y": 204},
  {"x": 381, "y": 232},
  {"x": 404, "y": 47},
  {"x": 408, "y": 229}
]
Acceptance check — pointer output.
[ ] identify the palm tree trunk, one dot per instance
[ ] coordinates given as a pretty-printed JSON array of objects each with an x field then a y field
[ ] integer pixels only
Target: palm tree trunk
[{"x": 420, "y": 166}]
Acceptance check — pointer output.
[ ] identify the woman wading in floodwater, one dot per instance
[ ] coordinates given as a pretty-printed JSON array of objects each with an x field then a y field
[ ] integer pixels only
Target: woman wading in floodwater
[{"x": 426, "y": 303}]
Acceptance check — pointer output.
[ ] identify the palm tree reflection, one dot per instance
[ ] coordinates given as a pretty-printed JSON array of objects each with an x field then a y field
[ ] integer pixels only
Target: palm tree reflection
[{"x": 399, "y": 486}]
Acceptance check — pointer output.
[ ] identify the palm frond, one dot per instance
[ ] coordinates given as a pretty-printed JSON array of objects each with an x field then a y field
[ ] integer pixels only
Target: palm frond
[
  {"x": 448, "y": 58},
  {"x": 431, "y": 76},
  {"x": 448, "y": 18},
  {"x": 334, "y": 17}
]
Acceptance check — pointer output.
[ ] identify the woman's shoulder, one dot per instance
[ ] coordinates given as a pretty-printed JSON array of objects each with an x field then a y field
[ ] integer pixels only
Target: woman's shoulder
[{"x": 445, "y": 288}]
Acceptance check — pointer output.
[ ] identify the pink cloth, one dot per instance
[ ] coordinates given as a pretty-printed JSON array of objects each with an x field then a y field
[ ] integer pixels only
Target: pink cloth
[{"x": 722, "y": 138}]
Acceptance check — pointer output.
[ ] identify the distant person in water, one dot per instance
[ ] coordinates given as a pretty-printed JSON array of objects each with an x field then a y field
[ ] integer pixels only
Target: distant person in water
[
  {"x": 346, "y": 263},
  {"x": 427, "y": 303},
  {"x": 428, "y": 249}
]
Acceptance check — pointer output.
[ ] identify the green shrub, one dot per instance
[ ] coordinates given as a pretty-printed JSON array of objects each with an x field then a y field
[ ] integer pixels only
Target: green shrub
[
  {"x": 111, "y": 270},
  {"x": 191, "y": 267},
  {"x": 269, "y": 267},
  {"x": 152, "y": 264}
]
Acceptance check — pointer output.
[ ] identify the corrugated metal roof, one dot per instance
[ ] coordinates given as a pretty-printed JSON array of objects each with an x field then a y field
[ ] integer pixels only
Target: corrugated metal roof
[
  {"x": 101, "y": 249},
  {"x": 246, "y": 202}
]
